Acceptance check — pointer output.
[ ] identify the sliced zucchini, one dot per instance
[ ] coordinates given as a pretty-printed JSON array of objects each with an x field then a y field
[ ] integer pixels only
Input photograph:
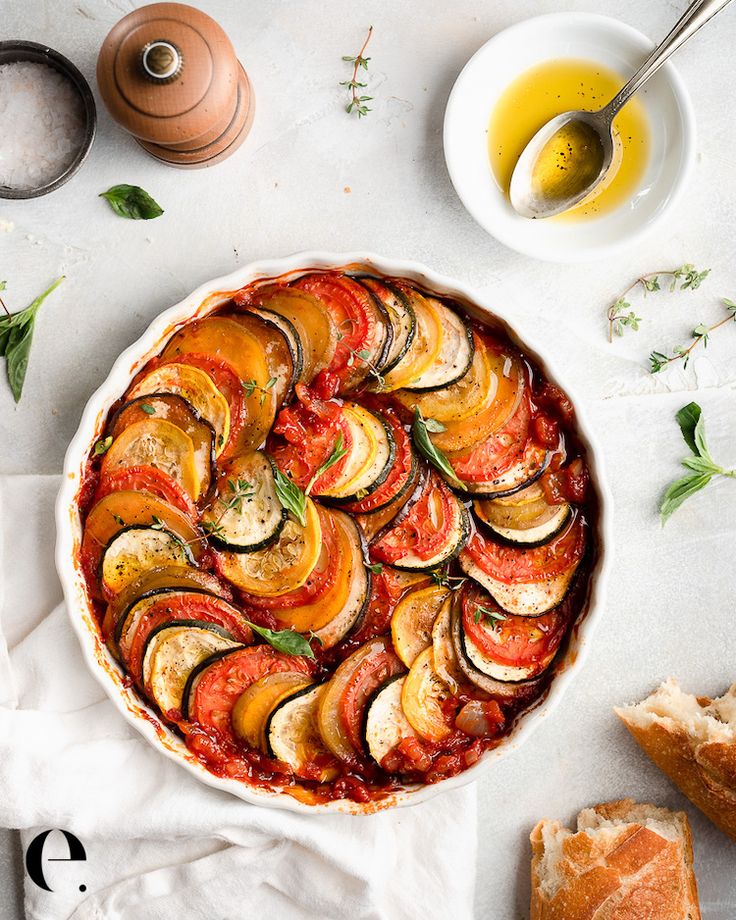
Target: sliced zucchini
[
  {"x": 358, "y": 587},
  {"x": 425, "y": 345},
  {"x": 246, "y": 514},
  {"x": 293, "y": 339},
  {"x": 255, "y": 705},
  {"x": 371, "y": 456},
  {"x": 527, "y": 599},
  {"x": 525, "y": 471},
  {"x": 524, "y": 519},
  {"x": 493, "y": 668},
  {"x": 174, "y": 582},
  {"x": 197, "y": 387},
  {"x": 520, "y": 691},
  {"x": 456, "y": 351},
  {"x": 171, "y": 652},
  {"x": 423, "y": 697},
  {"x": 281, "y": 566},
  {"x": 400, "y": 315},
  {"x": 158, "y": 443},
  {"x": 292, "y": 736},
  {"x": 137, "y": 549},
  {"x": 385, "y": 722},
  {"x": 435, "y": 510},
  {"x": 413, "y": 619}
]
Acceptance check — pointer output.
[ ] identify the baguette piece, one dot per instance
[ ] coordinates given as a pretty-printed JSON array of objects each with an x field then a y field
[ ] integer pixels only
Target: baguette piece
[
  {"x": 692, "y": 740},
  {"x": 626, "y": 862}
]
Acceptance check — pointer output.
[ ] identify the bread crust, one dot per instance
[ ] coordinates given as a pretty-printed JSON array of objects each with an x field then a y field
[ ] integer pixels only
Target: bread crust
[
  {"x": 623, "y": 871},
  {"x": 704, "y": 771}
]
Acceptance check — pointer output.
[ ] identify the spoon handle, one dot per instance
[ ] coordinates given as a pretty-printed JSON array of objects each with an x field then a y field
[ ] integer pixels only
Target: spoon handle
[{"x": 693, "y": 19}]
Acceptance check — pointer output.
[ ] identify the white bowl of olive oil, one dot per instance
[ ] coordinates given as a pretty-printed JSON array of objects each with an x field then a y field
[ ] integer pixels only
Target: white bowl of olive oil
[{"x": 537, "y": 69}]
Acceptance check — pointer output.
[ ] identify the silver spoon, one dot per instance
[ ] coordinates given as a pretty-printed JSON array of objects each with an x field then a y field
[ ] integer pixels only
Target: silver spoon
[{"x": 593, "y": 131}]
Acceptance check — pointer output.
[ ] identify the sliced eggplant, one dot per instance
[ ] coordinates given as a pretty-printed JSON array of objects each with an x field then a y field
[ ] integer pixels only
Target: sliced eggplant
[
  {"x": 254, "y": 705},
  {"x": 174, "y": 649},
  {"x": 423, "y": 698},
  {"x": 529, "y": 599},
  {"x": 156, "y": 442},
  {"x": 524, "y": 519},
  {"x": 281, "y": 566},
  {"x": 385, "y": 722},
  {"x": 292, "y": 736},
  {"x": 130, "y": 615},
  {"x": 413, "y": 619},
  {"x": 456, "y": 351},
  {"x": 493, "y": 668},
  {"x": 445, "y": 658},
  {"x": 400, "y": 315},
  {"x": 519, "y": 691},
  {"x": 136, "y": 549},
  {"x": 293, "y": 341},
  {"x": 522, "y": 473},
  {"x": 359, "y": 587},
  {"x": 434, "y": 511},
  {"x": 246, "y": 515},
  {"x": 197, "y": 387},
  {"x": 372, "y": 455}
]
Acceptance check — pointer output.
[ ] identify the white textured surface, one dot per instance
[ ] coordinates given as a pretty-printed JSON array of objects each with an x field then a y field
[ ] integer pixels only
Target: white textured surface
[{"x": 670, "y": 607}]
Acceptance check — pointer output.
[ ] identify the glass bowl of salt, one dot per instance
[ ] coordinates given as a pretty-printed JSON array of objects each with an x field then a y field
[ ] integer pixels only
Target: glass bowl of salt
[{"x": 48, "y": 116}]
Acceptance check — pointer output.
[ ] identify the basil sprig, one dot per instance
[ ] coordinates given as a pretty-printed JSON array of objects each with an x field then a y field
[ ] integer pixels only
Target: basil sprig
[
  {"x": 16, "y": 337},
  {"x": 288, "y": 641},
  {"x": 702, "y": 465},
  {"x": 133, "y": 202},
  {"x": 291, "y": 497},
  {"x": 420, "y": 432}
]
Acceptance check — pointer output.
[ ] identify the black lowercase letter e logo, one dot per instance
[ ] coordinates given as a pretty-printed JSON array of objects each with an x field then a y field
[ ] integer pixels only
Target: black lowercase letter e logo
[{"x": 35, "y": 858}]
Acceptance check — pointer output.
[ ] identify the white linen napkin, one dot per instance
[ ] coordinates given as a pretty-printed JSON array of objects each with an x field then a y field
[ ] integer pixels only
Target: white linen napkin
[{"x": 159, "y": 843}]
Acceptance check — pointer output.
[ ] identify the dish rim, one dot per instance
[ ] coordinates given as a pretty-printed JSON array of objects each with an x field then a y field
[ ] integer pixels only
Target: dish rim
[
  {"x": 527, "y": 245},
  {"x": 68, "y": 526}
]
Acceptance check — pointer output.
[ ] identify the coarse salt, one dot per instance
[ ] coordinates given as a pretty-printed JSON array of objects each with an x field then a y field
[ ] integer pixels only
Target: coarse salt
[{"x": 42, "y": 124}]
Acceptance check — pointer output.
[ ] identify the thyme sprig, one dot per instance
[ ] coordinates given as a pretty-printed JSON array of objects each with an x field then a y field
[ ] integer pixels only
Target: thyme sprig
[
  {"x": 493, "y": 616},
  {"x": 700, "y": 334},
  {"x": 238, "y": 491},
  {"x": 442, "y": 578},
  {"x": 620, "y": 314},
  {"x": 252, "y": 386},
  {"x": 357, "y": 102}
]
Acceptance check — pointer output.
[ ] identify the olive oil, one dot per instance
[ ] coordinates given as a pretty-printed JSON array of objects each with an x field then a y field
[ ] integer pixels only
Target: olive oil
[{"x": 548, "y": 90}]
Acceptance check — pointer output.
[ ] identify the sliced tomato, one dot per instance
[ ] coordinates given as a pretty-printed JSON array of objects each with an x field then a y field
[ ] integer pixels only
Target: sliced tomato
[
  {"x": 309, "y": 430},
  {"x": 515, "y": 565},
  {"x": 492, "y": 457},
  {"x": 194, "y": 606},
  {"x": 148, "y": 479},
  {"x": 423, "y": 530},
  {"x": 221, "y": 683},
  {"x": 402, "y": 470},
  {"x": 354, "y": 313},
  {"x": 515, "y": 642}
]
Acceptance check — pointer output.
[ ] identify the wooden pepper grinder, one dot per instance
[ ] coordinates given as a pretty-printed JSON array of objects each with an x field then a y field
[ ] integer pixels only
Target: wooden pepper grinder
[{"x": 169, "y": 75}]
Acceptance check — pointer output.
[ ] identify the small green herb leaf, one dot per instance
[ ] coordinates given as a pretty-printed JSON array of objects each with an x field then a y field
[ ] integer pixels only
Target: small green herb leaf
[
  {"x": 287, "y": 641},
  {"x": 433, "y": 425},
  {"x": 102, "y": 446},
  {"x": 435, "y": 456},
  {"x": 148, "y": 409},
  {"x": 681, "y": 490},
  {"x": 118, "y": 520},
  {"x": 338, "y": 452},
  {"x": 687, "y": 418},
  {"x": 132, "y": 201},
  {"x": 375, "y": 567},
  {"x": 291, "y": 497}
]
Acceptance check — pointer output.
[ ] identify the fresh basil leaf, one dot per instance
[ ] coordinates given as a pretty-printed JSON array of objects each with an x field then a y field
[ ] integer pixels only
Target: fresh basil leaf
[
  {"x": 132, "y": 201},
  {"x": 375, "y": 567},
  {"x": 291, "y": 497},
  {"x": 432, "y": 453},
  {"x": 148, "y": 409},
  {"x": 699, "y": 438},
  {"x": 701, "y": 465},
  {"x": 688, "y": 418},
  {"x": 288, "y": 641},
  {"x": 433, "y": 425},
  {"x": 338, "y": 452},
  {"x": 681, "y": 490},
  {"x": 16, "y": 338}
]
